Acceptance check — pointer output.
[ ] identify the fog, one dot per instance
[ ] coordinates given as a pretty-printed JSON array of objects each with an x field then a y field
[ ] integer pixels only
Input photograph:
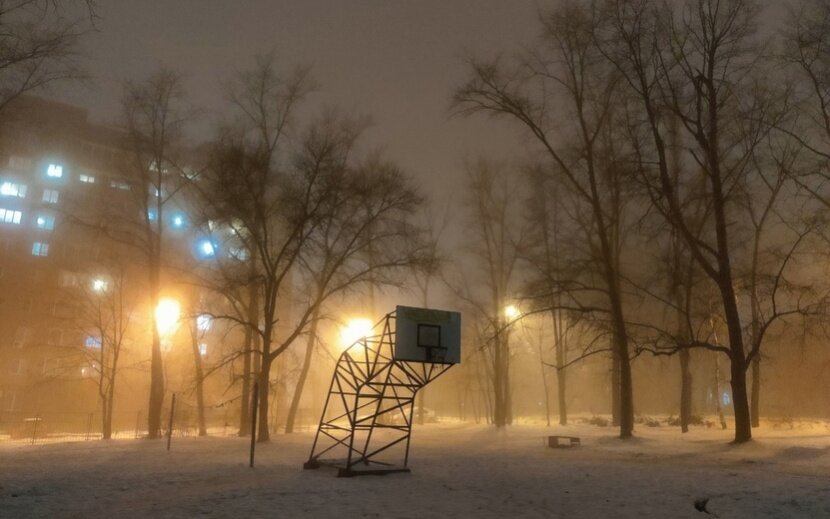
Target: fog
[{"x": 213, "y": 217}]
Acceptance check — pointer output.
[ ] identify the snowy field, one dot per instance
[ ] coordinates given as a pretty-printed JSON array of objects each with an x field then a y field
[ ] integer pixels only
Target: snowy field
[{"x": 457, "y": 471}]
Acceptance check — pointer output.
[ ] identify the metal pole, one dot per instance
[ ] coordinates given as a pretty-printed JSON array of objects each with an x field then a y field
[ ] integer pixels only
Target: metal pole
[
  {"x": 170, "y": 424},
  {"x": 88, "y": 426},
  {"x": 253, "y": 421},
  {"x": 34, "y": 428}
]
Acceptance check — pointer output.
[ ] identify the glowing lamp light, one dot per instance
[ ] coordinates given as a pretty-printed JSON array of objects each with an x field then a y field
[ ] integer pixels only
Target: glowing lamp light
[
  {"x": 512, "y": 312},
  {"x": 178, "y": 220},
  {"x": 99, "y": 285},
  {"x": 168, "y": 312},
  {"x": 206, "y": 248},
  {"x": 355, "y": 330}
]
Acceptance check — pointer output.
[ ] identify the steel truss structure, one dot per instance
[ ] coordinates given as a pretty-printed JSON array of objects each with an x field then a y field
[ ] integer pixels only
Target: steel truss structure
[{"x": 367, "y": 418}]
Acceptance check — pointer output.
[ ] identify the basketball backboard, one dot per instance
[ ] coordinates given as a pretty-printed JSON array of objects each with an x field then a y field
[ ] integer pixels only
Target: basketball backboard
[{"x": 427, "y": 335}]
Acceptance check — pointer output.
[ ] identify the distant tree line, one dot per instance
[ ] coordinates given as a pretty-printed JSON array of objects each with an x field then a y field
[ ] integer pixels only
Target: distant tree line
[{"x": 676, "y": 187}]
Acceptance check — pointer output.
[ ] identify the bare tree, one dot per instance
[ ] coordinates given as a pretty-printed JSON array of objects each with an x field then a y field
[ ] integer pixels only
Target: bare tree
[
  {"x": 547, "y": 277},
  {"x": 154, "y": 119},
  {"x": 371, "y": 219},
  {"x": 39, "y": 44},
  {"x": 197, "y": 326},
  {"x": 699, "y": 62},
  {"x": 107, "y": 308},
  {"x": 566, "y": 72},
  {"x": 495, "y": 237},
  {"x": 298, "y": 212}
]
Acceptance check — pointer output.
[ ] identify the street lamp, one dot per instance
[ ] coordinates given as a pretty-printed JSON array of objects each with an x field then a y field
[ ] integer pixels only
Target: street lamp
[
  {"x": 355, "y": 330},
  {"x": 168, "y": 312},
  {"x": 99, "y": 285},
  {"x": 512, "y": 312}
]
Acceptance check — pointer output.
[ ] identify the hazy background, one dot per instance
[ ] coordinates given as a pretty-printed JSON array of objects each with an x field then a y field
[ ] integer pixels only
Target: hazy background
[{"x": 397, "y": 61}]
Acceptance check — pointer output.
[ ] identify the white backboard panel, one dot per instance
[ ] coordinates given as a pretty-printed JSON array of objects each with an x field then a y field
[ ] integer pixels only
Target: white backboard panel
[{"x": 427, "y": 335}]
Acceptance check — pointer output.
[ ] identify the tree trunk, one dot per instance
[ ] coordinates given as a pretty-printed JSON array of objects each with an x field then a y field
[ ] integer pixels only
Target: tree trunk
[
  {"x": 508, "y": 394},
  {"x": 298, "y": 391},
  {"x": 245, "y": 399},
  {"x": 561, "y": 358},
  {"x": 498, "y": 383},
  {"x": 156, "y": 367},
  {"x": 247, "y": 360},
  {"x": 626, "y": 392},
  {"x": 263, "y": 379},
  {"x": 737, "y": 360},
  {"x": 489, "y": 398},
  {"x": 106, "y": 418},
  {"x": 755, "y": 413},
  {"x": 200, "y": 397},
  {"x": 718, "y": 406},
  {"x": 685, "y": 390},
  {"x": 756, "y": 391},
  {"x": 420, "y": 397},
  {"x": 545, "y": 389},
  {"x": 615, "y": 388},
  {"x": 156, "y": 384},
  {"x": 740, "y": 402}
]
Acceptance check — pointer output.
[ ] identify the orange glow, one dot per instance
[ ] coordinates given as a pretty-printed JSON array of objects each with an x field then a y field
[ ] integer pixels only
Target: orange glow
[{"x": 355, "y": 330}]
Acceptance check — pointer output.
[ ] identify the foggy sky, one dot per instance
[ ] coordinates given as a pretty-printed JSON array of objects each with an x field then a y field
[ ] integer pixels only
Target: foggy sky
[{"x": 396, "y": 60}]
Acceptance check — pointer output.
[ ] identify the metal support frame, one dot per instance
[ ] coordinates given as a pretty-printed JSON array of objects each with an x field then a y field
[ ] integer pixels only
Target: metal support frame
[{"x": 366, "y": 423}]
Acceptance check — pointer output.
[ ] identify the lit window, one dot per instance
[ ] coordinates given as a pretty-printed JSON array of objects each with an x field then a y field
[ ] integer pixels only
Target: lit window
[
  {"x": 203, "y": 322},
  {"x": 9, "y": 216},
  {"x": 89, "y": 179},
  {"x": 93, "y": 342},
  {"x": 119, "y": 184},
  {"x": 177, "y": 220},
  {"x": 50, "y": 196},
  {"x": 46, "y": 222},
  {"x": 54, "y": 171},
  {"x": 151, "y": 215},
  {"x": 154, "y": 166},
  {"x": 89, "y": 371},
  {"x": 203, "y": 349},
  {"x": 40, "y": 249},
  {"x": 206, "y": 248},
  {"x": 13, "y": 189},
  {"x": 239, "y": 253}
]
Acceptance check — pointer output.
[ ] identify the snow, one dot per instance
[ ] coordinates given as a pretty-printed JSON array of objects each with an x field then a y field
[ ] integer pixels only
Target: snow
[{"x": 458, "y": 470}]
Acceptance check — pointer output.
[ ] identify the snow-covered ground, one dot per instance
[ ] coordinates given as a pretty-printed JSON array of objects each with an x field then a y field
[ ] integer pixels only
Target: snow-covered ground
[{"x": 458, "y": 470}]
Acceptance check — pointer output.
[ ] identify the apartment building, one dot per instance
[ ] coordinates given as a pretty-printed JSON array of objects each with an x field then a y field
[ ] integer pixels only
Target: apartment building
[{"x": 57, "y": 172}]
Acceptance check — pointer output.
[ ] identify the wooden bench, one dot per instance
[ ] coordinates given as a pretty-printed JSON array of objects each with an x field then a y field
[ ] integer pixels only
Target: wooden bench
[{"x": 562, "y": 441}]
